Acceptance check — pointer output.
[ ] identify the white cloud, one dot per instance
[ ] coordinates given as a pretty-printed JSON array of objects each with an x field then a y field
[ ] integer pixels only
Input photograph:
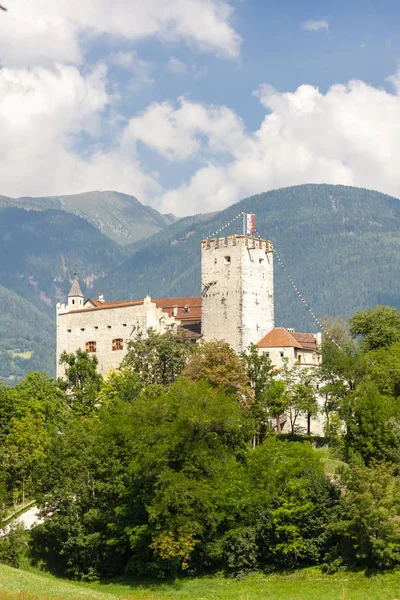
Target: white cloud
[
  {"x": 43, "y": 31},
  {"x": 350, "y": 135},
  {"x": 43, "y": 114},
  {"x": 315, "y": 25},
  {"x": 179, "y": 134},
  {"x": 175, "y": 65}
]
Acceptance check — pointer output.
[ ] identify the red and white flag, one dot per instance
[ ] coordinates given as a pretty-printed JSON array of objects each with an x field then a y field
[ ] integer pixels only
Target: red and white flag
[{"x": 250, "y": 224}]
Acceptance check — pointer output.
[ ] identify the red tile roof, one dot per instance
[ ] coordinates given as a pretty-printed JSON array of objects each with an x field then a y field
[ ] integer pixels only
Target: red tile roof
[
  {"x": 188, "y": 308},
  {"x": 282, "y": 338}
]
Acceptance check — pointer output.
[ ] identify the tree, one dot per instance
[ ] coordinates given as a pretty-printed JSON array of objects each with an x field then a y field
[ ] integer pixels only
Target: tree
[
  {"x": 260, "y": 373},
  {"x": 366, "y": 531},
  {"x": 82, "y": 382},
  {"x": 220, "y": 366},
  {"x": 378, "y": 327},
  {"x": 155, "y": 358},
  {"x": 372, "y": 423},
  {"x": 277, "y": 401}
]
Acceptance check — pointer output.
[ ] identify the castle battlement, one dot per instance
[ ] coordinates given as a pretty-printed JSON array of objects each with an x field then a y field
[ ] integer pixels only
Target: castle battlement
[{"x": 244, "y": 241}]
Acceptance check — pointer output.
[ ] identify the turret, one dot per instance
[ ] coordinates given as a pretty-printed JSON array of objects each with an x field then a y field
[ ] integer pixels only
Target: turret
[{"x": 75, "y": 296}]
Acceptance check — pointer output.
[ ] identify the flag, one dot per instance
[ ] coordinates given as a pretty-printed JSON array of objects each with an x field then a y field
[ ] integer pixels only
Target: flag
[{"x": 250, "y": 224}]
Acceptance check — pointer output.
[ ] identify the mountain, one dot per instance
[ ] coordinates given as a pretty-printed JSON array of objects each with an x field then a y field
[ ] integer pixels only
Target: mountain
[
  {"x": 27, "y": 338},
  {"x": 119, "y": 216},
  {"x": 340, "y": 244},
  {"x": 41, "y": 249}
]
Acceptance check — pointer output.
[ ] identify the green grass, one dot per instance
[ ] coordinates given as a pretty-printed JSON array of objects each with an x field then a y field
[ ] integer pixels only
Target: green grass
[{"x": 306, "y": 584}]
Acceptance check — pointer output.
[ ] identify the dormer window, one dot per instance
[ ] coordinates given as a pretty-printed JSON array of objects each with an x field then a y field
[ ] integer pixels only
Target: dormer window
[{"x": 186, "y": 309}]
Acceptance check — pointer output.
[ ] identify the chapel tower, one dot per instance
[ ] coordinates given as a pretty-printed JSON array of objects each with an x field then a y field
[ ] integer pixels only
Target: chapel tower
[
  {"x": 75, "y": 296},
  {"x": 237, "y": 288}
]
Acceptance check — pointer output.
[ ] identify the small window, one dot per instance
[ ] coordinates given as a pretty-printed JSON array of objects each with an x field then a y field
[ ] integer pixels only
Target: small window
[
  {"x": 68, "y": 331},
  {"x": 261, "y": 260},
  {"x": 95, "y": 327},
  {"x": 118, "y": 344},
  {"x": 267, "y": 354},
  {"x": 123, "y": 324},
  {"x": 281, "y": 354},
  {"x": 91, "y": 346},
  {"x": 73, "y": 301},
  {"x": 82, "y": 329},
  {"x": 227, "y": 260},
  {"x": 186, "y": 309},
  {"x": 299, "y": 358},
  {"x": 109, "y": 326}
]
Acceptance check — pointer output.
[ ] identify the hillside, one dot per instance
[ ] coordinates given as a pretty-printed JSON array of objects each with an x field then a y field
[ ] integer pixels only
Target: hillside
[
  {"x": 40, "y": 251},
  {"x": 119, "y": 216},
  {"x": 341, "y": 244},
  {"x": 27, "y": 338}
]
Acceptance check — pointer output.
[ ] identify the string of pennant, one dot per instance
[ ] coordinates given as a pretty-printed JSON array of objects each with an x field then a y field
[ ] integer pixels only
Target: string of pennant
[
  {"x": 317, "y": 321},
  {"x": 241, "y": 214}
]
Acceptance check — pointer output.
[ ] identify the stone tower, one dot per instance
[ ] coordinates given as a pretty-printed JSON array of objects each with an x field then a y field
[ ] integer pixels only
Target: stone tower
[
  {"x": 75, "y": 296},
  {"x": 237, "y": 288}
]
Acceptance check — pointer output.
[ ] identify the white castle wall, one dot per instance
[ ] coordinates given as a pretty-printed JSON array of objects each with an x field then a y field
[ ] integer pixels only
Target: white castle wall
[
  {"x": 237, "y": 290},
  {"x": 75, "y": 328}
]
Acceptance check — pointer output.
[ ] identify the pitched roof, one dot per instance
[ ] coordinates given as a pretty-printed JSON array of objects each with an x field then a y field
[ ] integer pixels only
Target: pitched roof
[
  {"x": 75, "y": 289},
  {"x": 307, "y": 340},
  {"x": 188, "y": 309},
  {"x": 278, "y": 338}
]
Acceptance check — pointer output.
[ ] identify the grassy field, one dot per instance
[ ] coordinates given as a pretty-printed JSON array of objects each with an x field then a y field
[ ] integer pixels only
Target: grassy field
[{"x": 307, "y": 584}]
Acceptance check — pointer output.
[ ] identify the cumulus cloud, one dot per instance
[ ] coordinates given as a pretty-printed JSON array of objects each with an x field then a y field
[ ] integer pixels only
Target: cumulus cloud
[
  {"x": 44, "y": 31},
  {"x": 179, "y": 134},
  {"x": 315, "y": 25},
  {"x": 350, "y": 135}
]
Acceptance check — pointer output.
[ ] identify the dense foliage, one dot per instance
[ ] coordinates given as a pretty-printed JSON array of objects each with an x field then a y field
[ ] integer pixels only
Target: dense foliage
[{"x": 176, "y": 463}]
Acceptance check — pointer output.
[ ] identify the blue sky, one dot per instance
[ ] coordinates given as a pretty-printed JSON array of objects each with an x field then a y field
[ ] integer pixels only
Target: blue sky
[{"x": 191, "y": 105}]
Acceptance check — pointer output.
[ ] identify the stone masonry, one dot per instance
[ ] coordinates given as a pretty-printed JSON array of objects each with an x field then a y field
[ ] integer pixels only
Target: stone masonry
[{"x": 237, "y": 290}]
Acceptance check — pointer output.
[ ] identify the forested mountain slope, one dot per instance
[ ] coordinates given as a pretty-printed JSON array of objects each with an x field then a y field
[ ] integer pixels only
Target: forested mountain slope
[
  {"x": 119, "y": 216},
  {"x": 41, "y": 249},
  {"x": 27, "y": 338},
  {"x": 341, "y": 245}
]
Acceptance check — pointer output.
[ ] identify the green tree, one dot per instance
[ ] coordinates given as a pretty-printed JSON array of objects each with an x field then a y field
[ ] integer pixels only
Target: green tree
[
  {"x": 366, "y": 531},
  {"x": 260, "y": 373},
  {"x": 82, "y": 382},
  {"x": 157, "y": 359},
  {"x": 378, "y": 327},
  {"x": 372, "y": 424}
]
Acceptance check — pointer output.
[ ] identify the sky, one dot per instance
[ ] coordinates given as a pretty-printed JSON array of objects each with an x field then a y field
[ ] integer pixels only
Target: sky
[{"x": 192, "y": 105}]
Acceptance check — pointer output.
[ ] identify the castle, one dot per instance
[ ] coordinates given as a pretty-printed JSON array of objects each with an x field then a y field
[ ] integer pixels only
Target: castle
[{"x": 236, "y": 305}]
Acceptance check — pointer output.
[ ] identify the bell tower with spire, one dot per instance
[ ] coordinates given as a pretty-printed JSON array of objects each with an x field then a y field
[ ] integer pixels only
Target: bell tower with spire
[{"x": 75, "y": 296}]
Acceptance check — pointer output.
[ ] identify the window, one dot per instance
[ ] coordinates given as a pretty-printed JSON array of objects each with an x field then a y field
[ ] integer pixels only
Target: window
[
  {"x": 95, "y": 327},
  {"x": 281, "y": 354},
  {"x": 227, "y": 260},
  {"x": 91, "y": 346},
  {"x": 68, "y": 331},
  {"x": 123, "y": 324},
  {"x": 73, "y": 301},
  {"x": 267, "y": 354},
  {"x": 109, "y": 326},
  {"x": 299, "y": 358},
  {"x": 118, "y": 344},
  {"x": 260, "y": 260},
  {"x": 186, "y": 309},
  {"x": 82, "y": 329}
]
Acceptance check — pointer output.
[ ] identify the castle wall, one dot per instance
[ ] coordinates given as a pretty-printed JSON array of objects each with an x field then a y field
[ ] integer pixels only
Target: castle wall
[
  {"x": 75, "y": 328},
  {"x": 237, "y": 290}
]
